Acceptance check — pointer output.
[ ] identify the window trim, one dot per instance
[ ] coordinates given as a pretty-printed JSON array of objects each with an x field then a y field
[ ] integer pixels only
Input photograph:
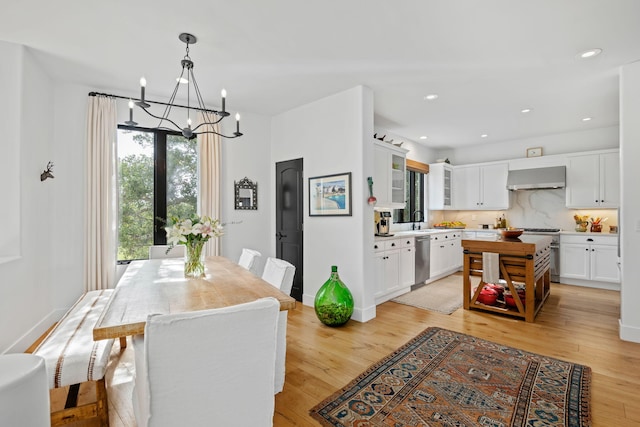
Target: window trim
[{"x": 159, "y": 180}]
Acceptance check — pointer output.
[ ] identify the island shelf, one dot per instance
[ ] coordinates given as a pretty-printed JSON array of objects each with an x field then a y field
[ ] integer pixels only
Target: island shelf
[{"x": 523, "y": 260}]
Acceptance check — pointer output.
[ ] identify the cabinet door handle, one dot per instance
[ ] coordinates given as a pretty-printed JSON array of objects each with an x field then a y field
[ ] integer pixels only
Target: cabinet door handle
[
  {"x": 593, "y": 250},
  {"x": 589, "y": 239},
  {"x": 375, "y": 246},
  {"x": 587, "y": 249},
  {"x": 393, "y": 244}
]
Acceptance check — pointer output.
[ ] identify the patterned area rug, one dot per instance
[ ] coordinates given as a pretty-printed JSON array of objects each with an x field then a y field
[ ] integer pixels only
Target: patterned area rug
[{"x": 443, "y": 378}]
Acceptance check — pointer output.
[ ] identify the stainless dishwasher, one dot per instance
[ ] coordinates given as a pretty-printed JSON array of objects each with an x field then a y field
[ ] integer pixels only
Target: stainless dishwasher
[{"x": 423, "y": 262}]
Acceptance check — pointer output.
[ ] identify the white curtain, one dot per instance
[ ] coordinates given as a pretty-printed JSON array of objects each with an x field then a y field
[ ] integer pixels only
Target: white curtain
[
  {"x": 101, "y": 195},
  {"x": 209, "y": 182}
]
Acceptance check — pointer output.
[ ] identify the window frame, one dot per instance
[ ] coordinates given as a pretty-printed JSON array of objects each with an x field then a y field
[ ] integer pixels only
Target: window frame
[
  {"x": 159, "y": 180},
  {"x": 410, "y": 179}
]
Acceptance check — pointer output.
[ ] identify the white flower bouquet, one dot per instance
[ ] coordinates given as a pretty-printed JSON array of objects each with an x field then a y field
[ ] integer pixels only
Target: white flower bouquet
[{"x": 193, "y": 233}]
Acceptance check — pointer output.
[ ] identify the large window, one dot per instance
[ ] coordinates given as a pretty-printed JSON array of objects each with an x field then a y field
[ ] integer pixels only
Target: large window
[
  {"x": 414, "y": 209},
  {"x": 157, "y": 179}
]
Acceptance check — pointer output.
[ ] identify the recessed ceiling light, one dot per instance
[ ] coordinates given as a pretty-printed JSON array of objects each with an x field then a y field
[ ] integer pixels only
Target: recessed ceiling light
[
  {"x": 484, "y": 135},
  {"x": 590, "y": 53},
  {"x": 423, "y": 137},
  {"x": 586, "y": 119},
  {"x": 526, "y": 110},
  {"x": 430, "y": 97}
]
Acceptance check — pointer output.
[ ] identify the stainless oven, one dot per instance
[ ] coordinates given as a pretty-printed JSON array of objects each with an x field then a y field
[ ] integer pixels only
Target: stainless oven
[{"x": 554, "y": 233}]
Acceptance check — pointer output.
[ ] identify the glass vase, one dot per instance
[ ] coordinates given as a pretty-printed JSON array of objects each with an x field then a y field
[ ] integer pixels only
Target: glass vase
[
  {"x": 194, "y": 259},
  {"x": 596, "y": 228},
  {"x": 582, "y": 226},
  {"x": 334, "y": 302}
]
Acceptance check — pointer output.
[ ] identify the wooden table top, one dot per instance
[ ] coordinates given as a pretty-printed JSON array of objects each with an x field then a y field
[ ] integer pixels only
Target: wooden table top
[{"x": 158, "y": 286}]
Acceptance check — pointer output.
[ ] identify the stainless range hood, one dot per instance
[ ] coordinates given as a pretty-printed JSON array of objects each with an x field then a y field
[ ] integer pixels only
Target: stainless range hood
[{"x": 536, "y": 179}]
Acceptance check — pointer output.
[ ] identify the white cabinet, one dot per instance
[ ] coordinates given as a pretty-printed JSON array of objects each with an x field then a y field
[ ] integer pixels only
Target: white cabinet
[
  {"x": 394, "y": 267},
  {"x": 481, "y": 187},
  {"x": 389, "y": 175},
  {"x": 589, "y": 257},
  {"x": 446, "y": 254},
  {"x": 440, "y": 185},
  {"x": 593, "y": 180}
]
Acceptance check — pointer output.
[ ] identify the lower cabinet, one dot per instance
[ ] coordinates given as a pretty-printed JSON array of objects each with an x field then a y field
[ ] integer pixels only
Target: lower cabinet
[
  {"x": 446, "y": 253},
  {"x": 589, "y": 259},
  {"x": 394, "y": 267}
]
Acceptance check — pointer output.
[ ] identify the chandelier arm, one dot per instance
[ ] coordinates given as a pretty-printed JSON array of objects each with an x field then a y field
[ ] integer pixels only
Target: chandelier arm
[
  {"x": 207, "y": 123},
  {"x": 162, "y": 118},
  {"x": 235, "y": 135}
]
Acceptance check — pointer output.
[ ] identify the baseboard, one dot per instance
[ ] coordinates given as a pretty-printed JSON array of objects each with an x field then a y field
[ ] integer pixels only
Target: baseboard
[
  {"x": 590, "y": 283},
  {"x": 359, "y": 314},
  {"x": 629, "y": 333},
  {"x": 25, "y": 341},
  {"x": 364, "y": 315}
]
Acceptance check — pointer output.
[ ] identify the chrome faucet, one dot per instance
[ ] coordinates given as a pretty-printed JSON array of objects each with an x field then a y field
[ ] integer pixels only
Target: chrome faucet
[{"x": 413, "y": 219}]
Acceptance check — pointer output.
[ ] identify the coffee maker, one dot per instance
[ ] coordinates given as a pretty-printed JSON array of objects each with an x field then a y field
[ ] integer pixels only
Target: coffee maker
[{"x": 383, "y": 222}]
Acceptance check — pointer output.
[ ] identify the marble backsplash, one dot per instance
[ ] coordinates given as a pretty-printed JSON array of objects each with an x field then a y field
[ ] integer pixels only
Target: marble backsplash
[{"x": 532, "y": 209}]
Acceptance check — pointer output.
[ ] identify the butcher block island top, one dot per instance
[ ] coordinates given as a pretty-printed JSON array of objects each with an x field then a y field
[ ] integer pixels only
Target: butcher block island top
[{"x": 523, "y": 263}]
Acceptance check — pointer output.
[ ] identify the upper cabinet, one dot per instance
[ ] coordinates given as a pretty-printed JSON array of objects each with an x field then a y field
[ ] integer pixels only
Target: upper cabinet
[
  {"x": 440, "y": 180},
  {"x": 389, "y": 175},
  {"x": 481, "y": 187},
  {"x": 593, "y": 180}
]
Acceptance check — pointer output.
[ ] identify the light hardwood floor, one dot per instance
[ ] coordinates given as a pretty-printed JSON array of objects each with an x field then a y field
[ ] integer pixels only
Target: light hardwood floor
[{"x": 576, "y": 324}]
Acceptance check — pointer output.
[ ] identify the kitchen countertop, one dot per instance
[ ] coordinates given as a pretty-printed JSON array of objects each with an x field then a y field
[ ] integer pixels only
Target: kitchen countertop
[
  {"x": 431, "y": 231},
  {"x": 413, "y": 233},
  {"x": 588, "y": 233}
]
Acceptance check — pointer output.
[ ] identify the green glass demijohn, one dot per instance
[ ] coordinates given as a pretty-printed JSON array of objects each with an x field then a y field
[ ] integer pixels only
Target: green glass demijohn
[{"x": 334, "y": 302}]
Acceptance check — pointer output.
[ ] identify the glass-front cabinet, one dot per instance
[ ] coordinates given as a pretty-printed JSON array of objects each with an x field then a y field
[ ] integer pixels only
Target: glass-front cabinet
[{"x": 389, "y": 175}]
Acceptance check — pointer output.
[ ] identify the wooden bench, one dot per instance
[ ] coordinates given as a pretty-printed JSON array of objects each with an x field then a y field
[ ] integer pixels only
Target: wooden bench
[{"x": 73, "y": 357}]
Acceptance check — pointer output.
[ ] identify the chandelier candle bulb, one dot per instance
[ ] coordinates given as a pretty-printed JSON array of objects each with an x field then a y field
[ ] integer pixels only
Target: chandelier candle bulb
[
  {"x": 237, "y": 122},
  {"x": 224, "y": 96},
  {"x": 143, "y": 85},
  {"x": 130, "y": 122}
]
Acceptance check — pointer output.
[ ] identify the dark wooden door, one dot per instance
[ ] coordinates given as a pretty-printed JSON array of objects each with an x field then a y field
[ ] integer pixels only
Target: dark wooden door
[{"x": 289, "y": 218}]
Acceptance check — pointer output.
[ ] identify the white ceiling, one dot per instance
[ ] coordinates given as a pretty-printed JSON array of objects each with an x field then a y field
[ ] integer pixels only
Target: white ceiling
[{"x": 486, "y": 59}]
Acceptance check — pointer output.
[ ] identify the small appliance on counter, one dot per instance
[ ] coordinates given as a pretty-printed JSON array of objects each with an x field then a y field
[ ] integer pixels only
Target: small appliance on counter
[{"x": 383, "y": 223}]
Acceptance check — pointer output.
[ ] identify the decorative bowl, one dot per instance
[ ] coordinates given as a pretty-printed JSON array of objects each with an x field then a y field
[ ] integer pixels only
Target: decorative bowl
[{"x": 511, "y": 233}]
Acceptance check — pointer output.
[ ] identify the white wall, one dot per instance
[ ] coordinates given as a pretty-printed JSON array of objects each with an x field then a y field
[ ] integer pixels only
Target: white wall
[
  {"x": 247, "y": 156},
  {"x": 333, "y": 135},
  {"x": 26, "y": 283},
  {"x": 10, "y": 118},
  {"x": 630, "y": 206},
  {"x": 561, "y": 143},
  {"x": 418, "y": 151}
]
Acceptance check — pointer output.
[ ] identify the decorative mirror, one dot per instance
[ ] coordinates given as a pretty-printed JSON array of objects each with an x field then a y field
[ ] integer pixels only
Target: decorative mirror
[{"x": 246, "y": 194}]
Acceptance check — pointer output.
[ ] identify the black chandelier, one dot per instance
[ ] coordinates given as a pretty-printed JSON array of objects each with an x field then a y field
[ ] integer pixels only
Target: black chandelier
[{"x": 210, "y": 117}]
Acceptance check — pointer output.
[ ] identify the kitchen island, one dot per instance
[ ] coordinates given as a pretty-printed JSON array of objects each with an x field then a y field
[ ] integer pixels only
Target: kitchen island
[{"x": 523, "y": 261}]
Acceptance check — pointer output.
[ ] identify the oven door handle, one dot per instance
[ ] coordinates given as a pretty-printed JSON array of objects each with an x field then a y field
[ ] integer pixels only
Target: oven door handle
[{"x": 554, "y": 246}]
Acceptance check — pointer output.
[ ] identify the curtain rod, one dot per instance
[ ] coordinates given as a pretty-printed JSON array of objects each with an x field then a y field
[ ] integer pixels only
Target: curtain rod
[{"x": 152, "y": 102}]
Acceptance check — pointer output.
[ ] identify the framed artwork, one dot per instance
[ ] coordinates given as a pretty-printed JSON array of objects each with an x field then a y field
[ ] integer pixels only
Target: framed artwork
[
  {"x": 330, "y": 195},
  {"x": 534, "y": 152}
]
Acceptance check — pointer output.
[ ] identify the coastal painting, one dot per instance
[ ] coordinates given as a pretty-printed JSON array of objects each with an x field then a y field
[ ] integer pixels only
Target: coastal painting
[{"x": 330, "y": 195}]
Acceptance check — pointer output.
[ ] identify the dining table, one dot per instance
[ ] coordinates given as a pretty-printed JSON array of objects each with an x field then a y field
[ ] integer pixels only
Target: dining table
[{"x": 158, "y": 286}]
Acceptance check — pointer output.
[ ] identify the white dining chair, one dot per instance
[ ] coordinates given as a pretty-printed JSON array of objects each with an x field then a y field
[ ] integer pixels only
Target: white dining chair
[
  {"x": 24, "y": 391},
  {"x": 160, "y": 251},
  {"x": 249, "y": 259},
  {"x": 280, "y": 273},
  {"x": 203, "y": 368}
]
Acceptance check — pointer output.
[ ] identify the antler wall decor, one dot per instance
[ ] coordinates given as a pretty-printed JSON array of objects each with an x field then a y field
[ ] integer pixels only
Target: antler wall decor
[{"x": 47, "y": 172}]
